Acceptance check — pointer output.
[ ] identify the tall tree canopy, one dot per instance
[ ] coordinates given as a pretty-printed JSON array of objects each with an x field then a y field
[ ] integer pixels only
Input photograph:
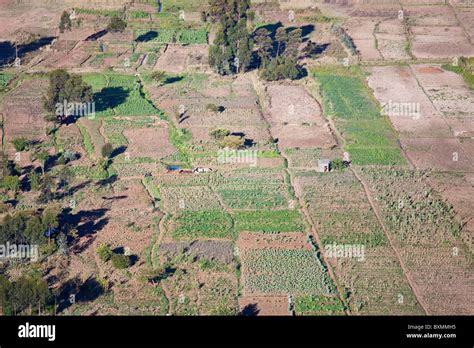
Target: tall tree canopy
[{"x": 231, "y": 51}]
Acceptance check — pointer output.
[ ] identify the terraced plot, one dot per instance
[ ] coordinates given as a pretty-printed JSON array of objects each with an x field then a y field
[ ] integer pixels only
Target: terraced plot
[
  {"x": 375, "y": 283},
  {"x": 369, "y": 137}
]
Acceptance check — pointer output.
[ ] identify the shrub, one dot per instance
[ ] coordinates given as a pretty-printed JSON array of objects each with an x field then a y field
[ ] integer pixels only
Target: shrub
[
  {"x": 21, "y": 144},
  {"x": 34, "y": 180},
  {"x": 104, "y": 252},
  {"x": 232, "y": 142},
  {"x": 219, "y": 133},
  {"x": 158, "y": 76},
  {"x": 337, "y": 164},
  {"x": 120, "y": 261},
  {"x": 11, "y": 183},
  {"x": 212, "y": 107}
]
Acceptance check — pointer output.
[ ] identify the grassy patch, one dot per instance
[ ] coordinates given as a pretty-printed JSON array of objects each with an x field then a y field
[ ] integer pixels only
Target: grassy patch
[
  {"x": 269, "y": 221},
  {"x": 86, "y": 140},
  {"x": 318, "y": 305},
  {"x": 119, "y": 95},
  {"x": 369, "y": 136},
  {"x": 202, "y": 224}
]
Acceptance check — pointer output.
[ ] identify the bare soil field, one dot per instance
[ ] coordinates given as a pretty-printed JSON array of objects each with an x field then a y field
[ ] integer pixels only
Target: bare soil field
[
  {"x": 264, "y": 305},
  {"x": 23, "y": 112},
  {"x": 289, "y": 241},
  {"x": 180, "y": 59},
  {"x": 430, "y": 139},
  {"x": 296, "y": 118},
  {"x": 148, "y": 142}
]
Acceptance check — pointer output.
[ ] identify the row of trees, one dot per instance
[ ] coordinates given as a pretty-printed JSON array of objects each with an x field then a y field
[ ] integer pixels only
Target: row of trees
[
  {"x": 279, "y": 54},
  {"x": 233, "y": 48},
  {"x": 231, "y": 51},
  {"x": 26, "y": 295},
  {"x": 26, "y": 227}
]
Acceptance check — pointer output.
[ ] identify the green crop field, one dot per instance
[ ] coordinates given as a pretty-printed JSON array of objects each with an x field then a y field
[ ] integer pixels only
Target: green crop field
[
  {"x": 119, "y": 95},
  {"x": 269, "y": 221},
  {"x": 278, "y": 271},
  {"x": 369, "y": 136},
  {"x": 190, "y": 224},
  {"x": 307, "y": 305}
]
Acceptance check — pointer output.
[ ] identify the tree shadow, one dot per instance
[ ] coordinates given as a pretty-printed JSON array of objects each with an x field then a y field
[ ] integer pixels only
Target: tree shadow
[
  {"x": 312, "y": 49},
  {"x": 109, "y": 181},
  {"x": 118, "y": 151},
  {"x": 8, "y": 51},
  {"x": 110, "y": 97},
  {"x": 97, "y": 35},
  {"x": 172, "y": 79},
  {"x": 152, "y": 34},
  {"x": 250, "y": 310}
]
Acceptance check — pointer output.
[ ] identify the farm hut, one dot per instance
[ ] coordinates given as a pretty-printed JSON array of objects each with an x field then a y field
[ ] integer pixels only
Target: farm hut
[
  {"x": 200, "y": 170},
  {"x": 324, "y": 165}
]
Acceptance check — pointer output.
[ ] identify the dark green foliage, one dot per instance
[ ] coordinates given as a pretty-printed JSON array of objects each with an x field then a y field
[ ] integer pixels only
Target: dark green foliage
[
  {"x": 27, "y": 295},
  {"x": 107, "y": 150},
  {"x": 34, "y": 180},
  {"x": 231, "y": 51},
  {"x": 64, "y": 87},
  {"x": 65, "y": 22},
  {"x": 282, "y": 62}
]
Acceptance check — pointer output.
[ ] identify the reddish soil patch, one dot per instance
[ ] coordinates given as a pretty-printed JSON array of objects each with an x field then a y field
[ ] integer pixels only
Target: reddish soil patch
[
  {"x": 288, "y": 241},
  {"x": 296, "y": 118},
  {"x": 148, "y": 142},
  {"x": 23, "y": 112},
  {"x": 263, "y": 305},
  {"x": 179, "y": 59}
]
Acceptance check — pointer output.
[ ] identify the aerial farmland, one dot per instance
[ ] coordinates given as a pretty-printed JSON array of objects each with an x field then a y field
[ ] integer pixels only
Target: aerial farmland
[{"x": 192, "y": 157}]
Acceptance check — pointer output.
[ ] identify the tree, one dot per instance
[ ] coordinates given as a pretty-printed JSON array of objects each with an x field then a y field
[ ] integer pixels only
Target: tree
[
  {"x": 293, "y": 43},
  {"x": 116, "y": 24},
  {"x": 65, "y": 176},
  {"x": 158, "y": 76},
  {"x": 65, "y": 88},
  {"x": 20, "y": 144},
  {"x": 107, "y": 150},
  {"x": 264, "y": 45},
  {"x": 65, "y": 22},
  {"x": 281, "y": 38},
  {"x": 104, "y": 252},
  {"x": 11, "y": 183},
  {"x": 42, "y": 157},
  {"x": 50, "y": 217},
  {"x": 46, "y": 186},
  {"x": 231, "y": 50},
  {"x": 34, "y": 180},
  {"x": 34, "y": 230},
  {"x": 120, "y": 261}
]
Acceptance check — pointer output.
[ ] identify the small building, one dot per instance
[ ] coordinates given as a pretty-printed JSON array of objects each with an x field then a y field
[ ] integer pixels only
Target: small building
[
  {"x": 324, "y": 165},
  {"x": 200, "y": 170}
]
